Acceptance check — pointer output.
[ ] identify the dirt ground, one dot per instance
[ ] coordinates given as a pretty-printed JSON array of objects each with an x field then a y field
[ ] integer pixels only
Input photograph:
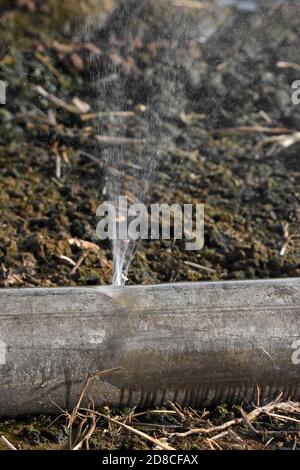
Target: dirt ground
[{"x": 202, "y": 99}]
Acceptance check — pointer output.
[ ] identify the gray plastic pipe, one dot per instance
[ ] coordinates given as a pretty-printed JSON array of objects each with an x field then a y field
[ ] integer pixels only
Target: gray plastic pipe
[{"x": 196, "y": 344}]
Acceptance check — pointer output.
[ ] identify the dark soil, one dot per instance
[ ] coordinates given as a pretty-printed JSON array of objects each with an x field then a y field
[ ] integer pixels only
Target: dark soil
[{"x": 209, "y": 111}]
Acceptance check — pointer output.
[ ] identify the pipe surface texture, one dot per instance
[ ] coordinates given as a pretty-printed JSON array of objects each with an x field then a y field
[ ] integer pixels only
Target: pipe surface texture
[{"x": 196, "y": 344}]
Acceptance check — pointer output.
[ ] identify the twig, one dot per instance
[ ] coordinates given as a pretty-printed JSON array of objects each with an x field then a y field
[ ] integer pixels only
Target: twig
[
  {"x": 7, "y": 443},
  {"x": 280, "y": 433},
  {"x": 200, "y": 267},
  {"x": 58, "y": 166},
  {"x": 191, "y": 4},
  {"x": 87, "y": 382},
  {"x": 254, "y": 129},
  {"x": 38, "y": 117},
  {"x": 81, "y": 106},
  {"x": 154, "y": 440},
  {"x": 237, "y": 439},
  {"x": 153, "y": 426},
  {"x": 257, "y": 395},
  {"x": 286, "y": 238},
  {"x": 78, "y": 264},
  {"x": 63, "y": 48},
  {"x": 288, "y": 65},
  {"x": 46, "y": 61},
  {"x": 57, "y": 102},
  {"x": 247, "y": 421},
  {"x": 122, "y": 114},
  {"x": 84, "y": 244},
  {"x": 250, "y": 417},
  {"x": 69, "y": 260},
  {"x": 212, "y": 443},
  {"x": 219, "y": 428},
  {"x": 87, "y": 247},
  {"x": 283, "y": 418},
  {"x": 114, "y": 140},
  {"x": 284, "y": 140},
  {"x": 142, "y": 413},
  {"x": 87, "y": 436},
  {"x": 72, "y": 417},
  {"x": 177, "y": 411},
  {"x": 219, "y": 436},
  {"x": 265, "y": 116},
  {"x": 269, "y": 441}
]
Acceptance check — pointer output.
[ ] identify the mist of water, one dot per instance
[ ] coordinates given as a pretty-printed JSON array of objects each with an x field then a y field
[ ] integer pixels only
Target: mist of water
[{"x": 131, "y": 163}]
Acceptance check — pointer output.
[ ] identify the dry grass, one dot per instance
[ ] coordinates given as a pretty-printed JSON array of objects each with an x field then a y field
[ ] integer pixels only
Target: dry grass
[
  {"x": 259, "y": 426},
  {"x": 275, "y": 423}
]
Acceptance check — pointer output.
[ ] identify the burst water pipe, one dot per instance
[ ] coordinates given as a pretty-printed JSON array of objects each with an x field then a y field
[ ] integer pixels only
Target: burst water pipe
[{"x": 196, "y": 344}]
